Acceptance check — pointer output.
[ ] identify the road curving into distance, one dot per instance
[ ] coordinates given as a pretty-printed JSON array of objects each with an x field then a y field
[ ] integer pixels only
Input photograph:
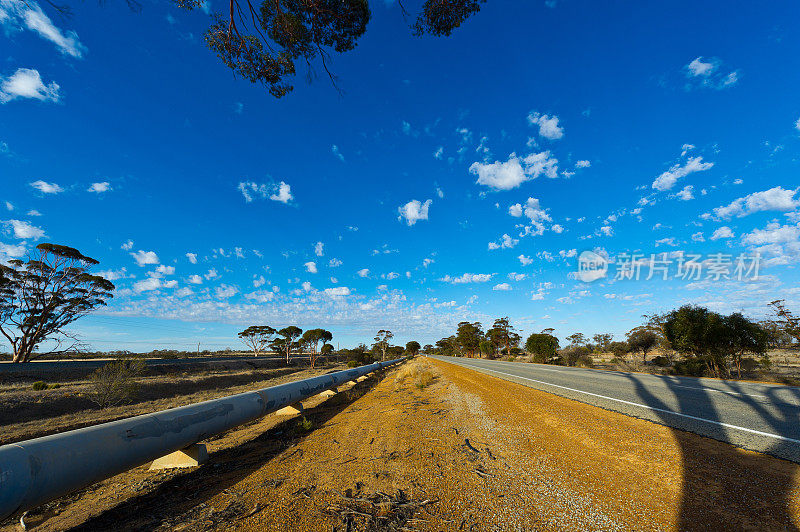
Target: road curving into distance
[{"x": 757, "y": 416}]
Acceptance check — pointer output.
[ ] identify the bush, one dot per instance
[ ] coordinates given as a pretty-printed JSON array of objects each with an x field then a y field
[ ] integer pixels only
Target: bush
[
  {"x": 585, "y": 361},
  {"x": 574, "y": 353},
  {"x": 115, "y": 383},
  {"x": 419, "y": 373},
  {"x": 352, "y": 364},
  {"x": 39, "y": 385},
  {"x": 692, "y": 367},
  {"x": 661, "y": 360},
  {"x": 749, "y": 365}
]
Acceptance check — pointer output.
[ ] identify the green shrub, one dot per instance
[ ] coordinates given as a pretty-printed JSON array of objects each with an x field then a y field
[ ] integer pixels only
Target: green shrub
[
  {"x": 54, "y": 386},
  {"x": 115, "y": 383},
  {"x": 585, "y": 361},
  {"x": 39, "y": 385},
  {"x": 305, "y": 425},
  {"x": 352, "y": 364},
  {"x": 692, "y": 367},
  {"x": 661, "y": 360}
]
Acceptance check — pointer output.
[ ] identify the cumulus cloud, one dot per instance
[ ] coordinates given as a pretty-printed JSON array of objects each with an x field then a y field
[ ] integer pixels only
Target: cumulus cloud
[
  {"x": 337, "y": 291},
  {"x": 97, "y": 188},
  {"x": 19, "y": 14},
  {"x": 774, "y": 199},
  {"x": 24, "y": 230},
  {"x": 281, "y": 192},
  {"x": 583, "y": 164},
  {"x": 46, "y": 188},
  {"x": 192, "y": 257},
  {"x": 468, "y": 278},
  {"x": 668, "y": 179},
  {"x": 414, "y": 211},
  {"x": 165, "y": 270},
  {"x": 334, "y": 263},
  {"x": 723, "y": 232},
  {"x": 502, "y": 286},
  {"x": 225, "y": 291},
  {"x": 506, "y": 175},
  {"x": 127, "y": 246},
  {"x": 363, "y": 272},
  {"x": 707, "y": 73},
  {"x": 506, "y": 242},
  {"x": 146, "y": 285},
  {"x": 319, "y": 249},
  {"x": 27, "y": 83},
  {"x": 144, "y": 258},
  {"x": 525, "y": 260},
  {"x": 195, "y": 279},
  {"x": 779, "y": 244},
  {"x": 311, "y": 267},
  {"x": 548, "y": 125},
  {"x": 686, "y": 193}
]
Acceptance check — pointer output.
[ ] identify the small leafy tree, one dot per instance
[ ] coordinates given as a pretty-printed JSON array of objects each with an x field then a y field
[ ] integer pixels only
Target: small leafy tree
[
  {"x": 287, "y": 341},
  {"x": 576, "y": 339},
  {"x": 503, "y": 334},
  {"x": 469, "y": 336},
  {"x": 41, "y": 296},
  {"x": 312, "y": 338},
  {"x": 785, "y": 320},
  {"x": 744, "y": 337},
  {"x": 619, "y": 349},
  {"x": 641, "y": 340},
  {"x": 543, "y": 347},
  {"x": 257, "y": 337},
  {"x": 412, "y": 348},
  {"x": 115, "y": 383},
  {"x": 382, "y": 342},
  {"x": 602, "y": 341},
  {"x": 700, "y": 334},
  {"x": 487, "y": 348}
]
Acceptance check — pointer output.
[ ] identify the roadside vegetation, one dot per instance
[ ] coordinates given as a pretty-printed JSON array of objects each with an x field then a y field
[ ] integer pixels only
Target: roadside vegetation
[{"x": 691, "y": 340}]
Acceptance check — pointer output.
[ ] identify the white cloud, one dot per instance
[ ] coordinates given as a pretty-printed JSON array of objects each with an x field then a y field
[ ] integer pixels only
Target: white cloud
[
  {"x": 34, "y": 212},
  {"x": 9, "y": 206},
  {"x": 525, "y": 260},
  {"x": 337, "y": 153},
  {"x": 685, "y": 194},
  {"x": 212, "y": 274},
  {"x": 774, "y": 199},
  {"x": 225, "y": 291},
  {"x": 311, "y": 267},
  {"x": 195, "y": 279},
  {"x": 468, "y": 278},
  {"x": 165, "y": 270},
  {"x": 105, "y": 186},
  {"x": 668, "y": 179},
  {"x": 11, "y": 251},
  {"x": 27, "y": 83},
  {"x": 698, "y": 67},
  {"x": 548, "y": 126},
  {"x": 276, "y": 192},
  {"x": 722, "y": 233},
  {"x": 439, "y": 153},
  {"x": 192, "y": 257},
  {"x": 318, "y": 249},
  {"x": 506, "y": 242},
  {"x": 698, "y": 237},
  {"x": 583, "y": 164},
  {"x": 515, "y": 171},
  {"x": 46, "y": 188},
  {"x": 706, "y": 73},
  {"x": 143, "y": 258},
  {"x": 261, "y": 296},
  {"x": 797, "y": 125},
  {"x": 24, "y": 230},
  {"x": 338, "y": 291},
  {"x": 502, "y": 286},
  {"x": 363, "y": 272},
  {"x": 414, "y": 211},
  {"x": 517, "y": 276},
  {"x": 259, "y": 281},
  {"x": 15, "y": 14},
  {"x": 334, "y": 263},
  {"x": 146, "y": 285},
  {"x": 557, "y": 228},
  {"x": 127, "y": 246},
  {"x": 774, "y": 233}
]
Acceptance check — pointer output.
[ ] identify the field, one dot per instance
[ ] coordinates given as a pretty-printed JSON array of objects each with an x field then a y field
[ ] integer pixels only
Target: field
[{"x": 432, "y": 446}]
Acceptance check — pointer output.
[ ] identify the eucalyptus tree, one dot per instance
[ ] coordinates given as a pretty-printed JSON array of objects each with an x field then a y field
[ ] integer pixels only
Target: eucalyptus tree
[
  {"x": 469, "y": 336},
  {"x": 286, "y": 341},
  {"x": 382, "y": 342},
  {"x": 39, "y": 297},
  {"x": 542, "y": 346},
  {"x": 503, "y": 334},
  {"x": 257, "y": 337},
  {"x": 312, "y": 338},
  {"x": 413, "y": 347}
]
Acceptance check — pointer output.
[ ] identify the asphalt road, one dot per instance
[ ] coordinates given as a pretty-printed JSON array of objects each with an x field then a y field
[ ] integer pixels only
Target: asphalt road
[{"x": 756, "y": 416}]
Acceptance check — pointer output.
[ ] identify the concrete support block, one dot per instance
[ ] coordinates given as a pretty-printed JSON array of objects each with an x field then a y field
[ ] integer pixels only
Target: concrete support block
[
  {"x": 290, "y": 410},
  {"x": 362, "y": 378},
  {"x": 328, "y": 393},
  {"x": 192, "y": 456}
]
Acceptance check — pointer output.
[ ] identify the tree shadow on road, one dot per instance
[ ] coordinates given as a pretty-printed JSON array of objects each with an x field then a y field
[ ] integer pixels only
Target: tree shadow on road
[{"x": 724, "y": 487}]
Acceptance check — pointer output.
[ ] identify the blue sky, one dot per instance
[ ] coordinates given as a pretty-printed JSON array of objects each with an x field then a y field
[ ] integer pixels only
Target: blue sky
[{"x": 454, "y": 179}]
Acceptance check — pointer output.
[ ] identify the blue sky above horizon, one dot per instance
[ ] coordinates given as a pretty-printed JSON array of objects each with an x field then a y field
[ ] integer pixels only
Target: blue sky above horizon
[{"x": 454, "y": 179}]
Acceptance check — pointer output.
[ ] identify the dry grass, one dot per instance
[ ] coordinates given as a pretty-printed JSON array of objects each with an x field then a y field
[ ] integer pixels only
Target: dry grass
[{"x": 416, "y": 373}]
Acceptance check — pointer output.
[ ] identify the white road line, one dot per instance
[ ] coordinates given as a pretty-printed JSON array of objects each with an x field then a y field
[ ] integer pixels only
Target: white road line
[{"x": 726, "y": 425}]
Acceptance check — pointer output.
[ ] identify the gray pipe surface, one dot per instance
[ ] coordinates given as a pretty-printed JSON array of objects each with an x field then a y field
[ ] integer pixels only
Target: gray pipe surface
[{"x": 33, "y": 472}]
